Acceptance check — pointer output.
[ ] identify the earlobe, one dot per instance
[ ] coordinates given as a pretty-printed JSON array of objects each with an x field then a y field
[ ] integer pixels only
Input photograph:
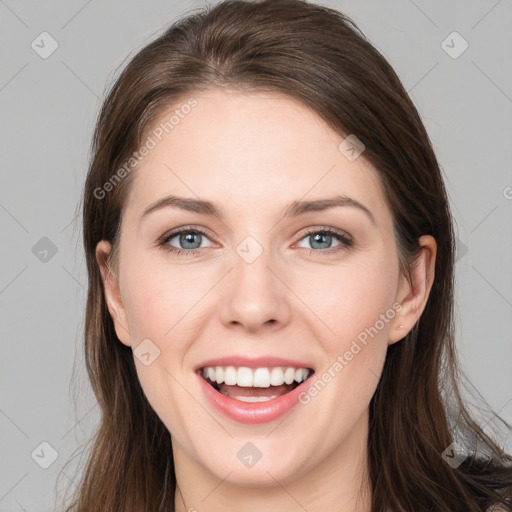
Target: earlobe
[
  {"x": 112, "y": 293},
  {"x": 413, "y": 296}
]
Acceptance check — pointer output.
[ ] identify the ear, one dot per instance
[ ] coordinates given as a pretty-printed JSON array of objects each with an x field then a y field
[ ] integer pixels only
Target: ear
[
  {"x": 112, "y": 293},
  {"x": 413, "y": 296}
]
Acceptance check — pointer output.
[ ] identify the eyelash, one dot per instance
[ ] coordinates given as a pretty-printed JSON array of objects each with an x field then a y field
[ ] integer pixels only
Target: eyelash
[{"x": 346, "y": 241}]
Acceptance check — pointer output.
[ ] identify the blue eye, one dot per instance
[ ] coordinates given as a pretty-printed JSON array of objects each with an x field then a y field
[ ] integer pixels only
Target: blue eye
[
  {"x": 191, "y": 240},
  {"x": 321, "y": 238},
  {"x": 187, "y": 237}
]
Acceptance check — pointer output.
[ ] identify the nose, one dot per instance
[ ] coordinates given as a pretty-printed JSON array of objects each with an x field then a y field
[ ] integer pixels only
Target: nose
[{"x": 254, "y": 295}]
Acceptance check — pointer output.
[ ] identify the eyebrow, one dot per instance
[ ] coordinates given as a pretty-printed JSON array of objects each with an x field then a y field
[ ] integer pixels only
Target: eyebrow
[{"x": 295, "y": 209}]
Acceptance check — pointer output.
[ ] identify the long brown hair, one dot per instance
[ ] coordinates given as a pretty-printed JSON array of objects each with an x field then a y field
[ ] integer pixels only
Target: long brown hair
[{"x": 318, "y": 56}]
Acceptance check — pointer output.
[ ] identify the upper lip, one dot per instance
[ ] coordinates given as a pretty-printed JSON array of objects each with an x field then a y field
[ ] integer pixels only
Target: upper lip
[{"x": 253, "y": 362}]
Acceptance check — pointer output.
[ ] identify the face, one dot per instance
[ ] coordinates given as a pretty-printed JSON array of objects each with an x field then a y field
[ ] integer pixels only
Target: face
[{"x": 285, "y": 304}]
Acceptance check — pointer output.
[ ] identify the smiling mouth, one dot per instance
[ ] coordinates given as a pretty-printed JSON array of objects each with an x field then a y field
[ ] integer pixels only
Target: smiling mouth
[{"x": 254, "y": 384}]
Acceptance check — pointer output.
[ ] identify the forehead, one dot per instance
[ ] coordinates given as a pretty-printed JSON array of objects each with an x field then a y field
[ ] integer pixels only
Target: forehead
[{"x": 249, "y": 150}]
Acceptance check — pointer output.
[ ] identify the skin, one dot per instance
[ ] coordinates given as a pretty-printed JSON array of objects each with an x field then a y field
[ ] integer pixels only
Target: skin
[{"x": 253, "y": 154}]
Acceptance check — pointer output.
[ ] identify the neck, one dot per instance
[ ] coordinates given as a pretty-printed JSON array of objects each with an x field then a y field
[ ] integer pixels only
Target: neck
[{"x": 339, "y": 483}]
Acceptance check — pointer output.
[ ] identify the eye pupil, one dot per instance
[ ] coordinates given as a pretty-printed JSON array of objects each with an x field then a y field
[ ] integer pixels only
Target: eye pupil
[
  {"x": 188, "y": 238},
  {"x": 318, "y": 238}
]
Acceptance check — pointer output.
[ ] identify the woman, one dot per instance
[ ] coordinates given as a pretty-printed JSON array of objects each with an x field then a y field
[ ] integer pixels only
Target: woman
[{"x": 270, "y": 256}]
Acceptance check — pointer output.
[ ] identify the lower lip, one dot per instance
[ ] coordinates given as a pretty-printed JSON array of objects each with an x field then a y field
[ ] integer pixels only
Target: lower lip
[{"x": 253, "y": 412}]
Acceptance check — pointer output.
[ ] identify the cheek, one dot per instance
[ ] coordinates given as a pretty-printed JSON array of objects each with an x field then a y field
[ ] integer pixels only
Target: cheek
[
  {"x": 364, "y": 324},
  {"x": 354, "y": 304},
  {"x": 349, "y": 300},
  {"x": 159, "y": 299},
  {"x": 339, "y": 303},
  {"x": 358, "y": 308},
  {"x": 160, "y": 304}
]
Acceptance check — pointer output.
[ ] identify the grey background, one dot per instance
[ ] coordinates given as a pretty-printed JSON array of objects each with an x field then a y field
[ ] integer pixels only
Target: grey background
[{"x": 48, "y": 111}]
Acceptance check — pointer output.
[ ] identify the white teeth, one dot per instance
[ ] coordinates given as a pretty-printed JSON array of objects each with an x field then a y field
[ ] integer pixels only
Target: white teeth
[
  {"x": 244, "y": 377},
  {"x": 261, "y": 378},
  {"x": 254, "y": 398},
  {"x": 254, "y": 377},
  {"x": 301, "y": 374},
  {"x": 230, "y": 375},
  {"x": 277, "y": 377},
  {"x": 289, "y": 375}
]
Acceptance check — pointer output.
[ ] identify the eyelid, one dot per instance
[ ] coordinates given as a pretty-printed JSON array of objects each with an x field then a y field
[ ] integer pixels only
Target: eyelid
[
  {"x": 326, "y": 229},
  {"x": 183, "y": 229}
]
